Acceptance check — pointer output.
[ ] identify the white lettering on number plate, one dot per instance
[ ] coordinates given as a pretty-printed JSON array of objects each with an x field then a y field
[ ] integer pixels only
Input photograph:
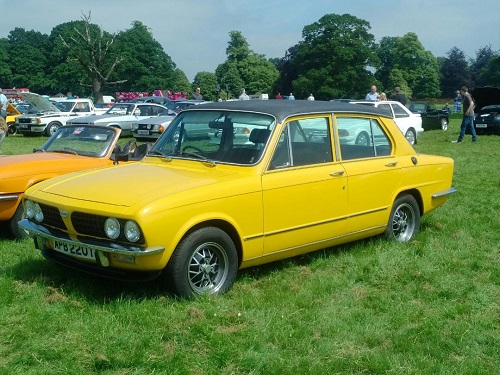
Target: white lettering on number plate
[{"x": 74, "y": 250}]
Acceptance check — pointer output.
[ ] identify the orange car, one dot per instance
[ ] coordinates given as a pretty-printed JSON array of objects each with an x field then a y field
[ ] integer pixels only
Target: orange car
[{"x": 70, "y": 149}]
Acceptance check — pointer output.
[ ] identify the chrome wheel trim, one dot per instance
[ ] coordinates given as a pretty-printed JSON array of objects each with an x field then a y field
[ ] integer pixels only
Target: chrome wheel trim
[
  {"x": 444, "y": 124},
  {"x": 362, "y": 139},
  {"x": 403, "y": 222},
  {"x": 410, "y": 136},
  {"x": 208, "y": 268}
]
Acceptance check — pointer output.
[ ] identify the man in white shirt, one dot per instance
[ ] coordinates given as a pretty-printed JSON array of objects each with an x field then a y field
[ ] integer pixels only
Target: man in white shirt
[
  {"x": 373, "y": 94},
  {"x": 3, "y": 104}
]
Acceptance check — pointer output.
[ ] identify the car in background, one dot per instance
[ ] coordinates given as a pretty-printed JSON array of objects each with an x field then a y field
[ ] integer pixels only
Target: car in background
[
  {"x": 196, "y": 212},
  {"x": 163, "y": 100},
  {"x": 122, "y": 115},
  {"x": 487, "y": 110},
  {"x": 69, "y": 149},
  {"x": 432, "y": 118},
  {"x": 151, "y": 128},
  {"x": 50, "y": 116},
  {"x": 179, "y": 105},
  {"x": 101, "y": 108},
  {"x": 408, "y": 122}
]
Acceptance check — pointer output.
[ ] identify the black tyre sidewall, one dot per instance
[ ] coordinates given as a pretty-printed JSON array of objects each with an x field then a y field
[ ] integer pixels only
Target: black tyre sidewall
[
  {"x": 176, "y": 270},
  {"x": 409, "y": 199},
  {"x": 14, "y": 228}
]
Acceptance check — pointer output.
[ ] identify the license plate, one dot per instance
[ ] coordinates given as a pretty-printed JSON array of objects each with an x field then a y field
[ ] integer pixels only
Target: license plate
[
  {"x": 23, "y": 126},
  {"x": 143, "y": 132},
  {"x": 75, "y": 250},
  {"x": 481, "y": 125}
]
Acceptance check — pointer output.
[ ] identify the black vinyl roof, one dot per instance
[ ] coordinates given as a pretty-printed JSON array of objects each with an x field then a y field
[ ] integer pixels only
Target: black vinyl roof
[{"x": 281, "y": 109}]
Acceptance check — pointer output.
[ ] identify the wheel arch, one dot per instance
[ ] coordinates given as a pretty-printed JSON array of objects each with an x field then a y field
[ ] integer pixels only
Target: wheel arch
[
  {"x": 226, "y": 227},
  {"x": 417, "y": 195}
]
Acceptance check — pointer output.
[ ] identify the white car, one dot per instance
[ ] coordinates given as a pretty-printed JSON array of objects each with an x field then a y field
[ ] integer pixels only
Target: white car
[
  {"x": 50, "y": 117},
  {"x": 408, "y": 122},
  {"x": 122, "y": 116}
]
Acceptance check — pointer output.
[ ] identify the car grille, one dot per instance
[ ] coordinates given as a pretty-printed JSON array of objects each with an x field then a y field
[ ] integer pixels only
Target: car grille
[
  {"x": 52, "y": 217},
  {"x": 24, "y": 120},
  {"x": 88, "y": 224}
]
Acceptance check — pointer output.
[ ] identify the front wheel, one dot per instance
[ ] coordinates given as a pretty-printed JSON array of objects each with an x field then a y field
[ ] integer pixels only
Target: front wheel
[
  {"x": 411, "y": 136},
  {"x": 12, "y": 128},
  {"x": 52, "y": 128},
  {"x": 205, "y": 262},
  {"x": 404, "y": 221}
]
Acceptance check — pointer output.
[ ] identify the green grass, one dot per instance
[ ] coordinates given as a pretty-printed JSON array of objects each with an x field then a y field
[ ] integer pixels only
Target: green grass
[{"x": 430, "y": 306}]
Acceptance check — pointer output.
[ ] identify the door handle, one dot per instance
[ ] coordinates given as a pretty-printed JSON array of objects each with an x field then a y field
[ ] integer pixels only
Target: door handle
[
  {"x": 337, "y": 173},
  {"x": 392, "y": 164}
]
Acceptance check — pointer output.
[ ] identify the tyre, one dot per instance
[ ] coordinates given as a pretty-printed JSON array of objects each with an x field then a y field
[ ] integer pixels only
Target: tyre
[
  {"x": 363, "y": 139},
  {"x": 444, "y": 124},
  {"x": 14, "y": 229},
  {"x": 404, "y": 221},
  {"x": 52, "y": 128},
  {"x": 411, "y": 136},
  {"x": 205, "y": 262},
  {"x": 12, "y": 128}
]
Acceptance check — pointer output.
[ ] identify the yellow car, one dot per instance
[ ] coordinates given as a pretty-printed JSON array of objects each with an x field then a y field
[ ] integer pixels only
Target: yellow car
[{"x": 195, "y": 211}]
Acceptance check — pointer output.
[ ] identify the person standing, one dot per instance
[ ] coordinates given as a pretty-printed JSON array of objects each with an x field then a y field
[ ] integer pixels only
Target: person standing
[
  {"x": 311, "y": 97},
  {"x": 244, "y": 95},
  {"x": 197, "y": 95},
  {"x": 457, "y": 102},
  {"x": 278, "y": 96},
  {"x": 291, "y": 97},
  {"x": 399, "y": 96},
  {"x": 3, "y": 104},
  {"x": 382, "y": 97},
  {"x": 70, "y": 95},
  {"x": 3, "y": 130},
  {"x": 373, "y": 94},
  {"x": 468, "y": 119}
]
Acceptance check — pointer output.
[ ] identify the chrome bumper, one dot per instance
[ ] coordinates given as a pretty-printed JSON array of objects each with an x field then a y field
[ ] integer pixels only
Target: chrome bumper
[
  {"x": 444, "y": 193},
  {"x": 40, "y": 232}
]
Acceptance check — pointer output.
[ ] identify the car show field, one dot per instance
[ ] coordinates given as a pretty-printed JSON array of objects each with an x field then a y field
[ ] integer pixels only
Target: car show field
[{"x": 376, "y": 303}]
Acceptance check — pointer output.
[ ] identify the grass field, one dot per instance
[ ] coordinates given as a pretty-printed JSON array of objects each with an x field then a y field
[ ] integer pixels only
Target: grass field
[{"x": 431, "y": 306}]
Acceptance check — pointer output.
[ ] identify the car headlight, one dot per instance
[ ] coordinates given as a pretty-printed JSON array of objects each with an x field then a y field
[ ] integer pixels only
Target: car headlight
[
  {"x": 135, "y": 126},
  {"x": 29, "y": 209},
  {"x": 112, "y": 228},
  {"x": 36, "y": 120},
  {"x": 38, "y": 213},
  {"x": 132, "y": 231}
]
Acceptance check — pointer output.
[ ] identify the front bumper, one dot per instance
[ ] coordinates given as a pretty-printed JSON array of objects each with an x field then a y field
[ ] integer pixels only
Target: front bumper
[{"x": 100, "y": 266}]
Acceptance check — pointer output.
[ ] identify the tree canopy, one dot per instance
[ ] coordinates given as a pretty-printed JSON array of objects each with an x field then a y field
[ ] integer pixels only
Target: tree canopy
[{"x": 336, "y": 57}]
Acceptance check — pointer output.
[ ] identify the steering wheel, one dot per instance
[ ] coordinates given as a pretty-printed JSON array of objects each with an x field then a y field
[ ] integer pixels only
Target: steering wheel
[{"x": 201, "y": 154}]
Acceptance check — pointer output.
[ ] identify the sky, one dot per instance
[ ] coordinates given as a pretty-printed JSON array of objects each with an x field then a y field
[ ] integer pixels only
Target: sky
[{"x": 195, "y": 33}]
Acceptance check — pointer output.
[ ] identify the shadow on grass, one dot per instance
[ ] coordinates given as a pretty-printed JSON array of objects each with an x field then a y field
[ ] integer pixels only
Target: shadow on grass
[{"x": 99, "y": 290}]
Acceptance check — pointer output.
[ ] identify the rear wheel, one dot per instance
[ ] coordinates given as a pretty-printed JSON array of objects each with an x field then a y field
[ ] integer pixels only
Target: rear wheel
[
  {"x": 411, "y": 136},
  {"x": 205, "y": 262},
  {"x": 12, "y": 128},
  {"x": 404, "y": 221},
  {"x": 444, "y": 124},
  {"x": 363, "y": 139}
]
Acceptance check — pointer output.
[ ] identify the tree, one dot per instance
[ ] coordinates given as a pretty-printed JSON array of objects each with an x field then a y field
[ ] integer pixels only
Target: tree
[
  {"x": 207, "y": 82},
  {"x": 245, "y": 69},
  {"x": 455, "y": 72},
  {"x": 27, "y": 59},
  {"x": 93, "y": 50},
  {"x": 483, "y": 71},
  {"x": 144, "y": 62},
  {"x": 405, "y": 63},
  {"x": 333, "y": 59}
]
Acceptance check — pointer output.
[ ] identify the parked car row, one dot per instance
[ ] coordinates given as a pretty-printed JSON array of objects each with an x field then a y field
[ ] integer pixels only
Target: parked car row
[{"x": 195, "y": 211}]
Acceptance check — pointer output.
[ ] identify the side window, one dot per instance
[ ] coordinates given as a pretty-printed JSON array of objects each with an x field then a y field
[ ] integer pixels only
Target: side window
[
  {"x": 386, "y": 108},
  {"x": 303, "y": 142},
  {"x": 362, "y": 138},
  {"x": 399, "y": 111}
]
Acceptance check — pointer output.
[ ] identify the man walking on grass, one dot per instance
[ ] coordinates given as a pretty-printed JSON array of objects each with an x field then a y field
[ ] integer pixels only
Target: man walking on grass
[{"x": 468, "y": 119}]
